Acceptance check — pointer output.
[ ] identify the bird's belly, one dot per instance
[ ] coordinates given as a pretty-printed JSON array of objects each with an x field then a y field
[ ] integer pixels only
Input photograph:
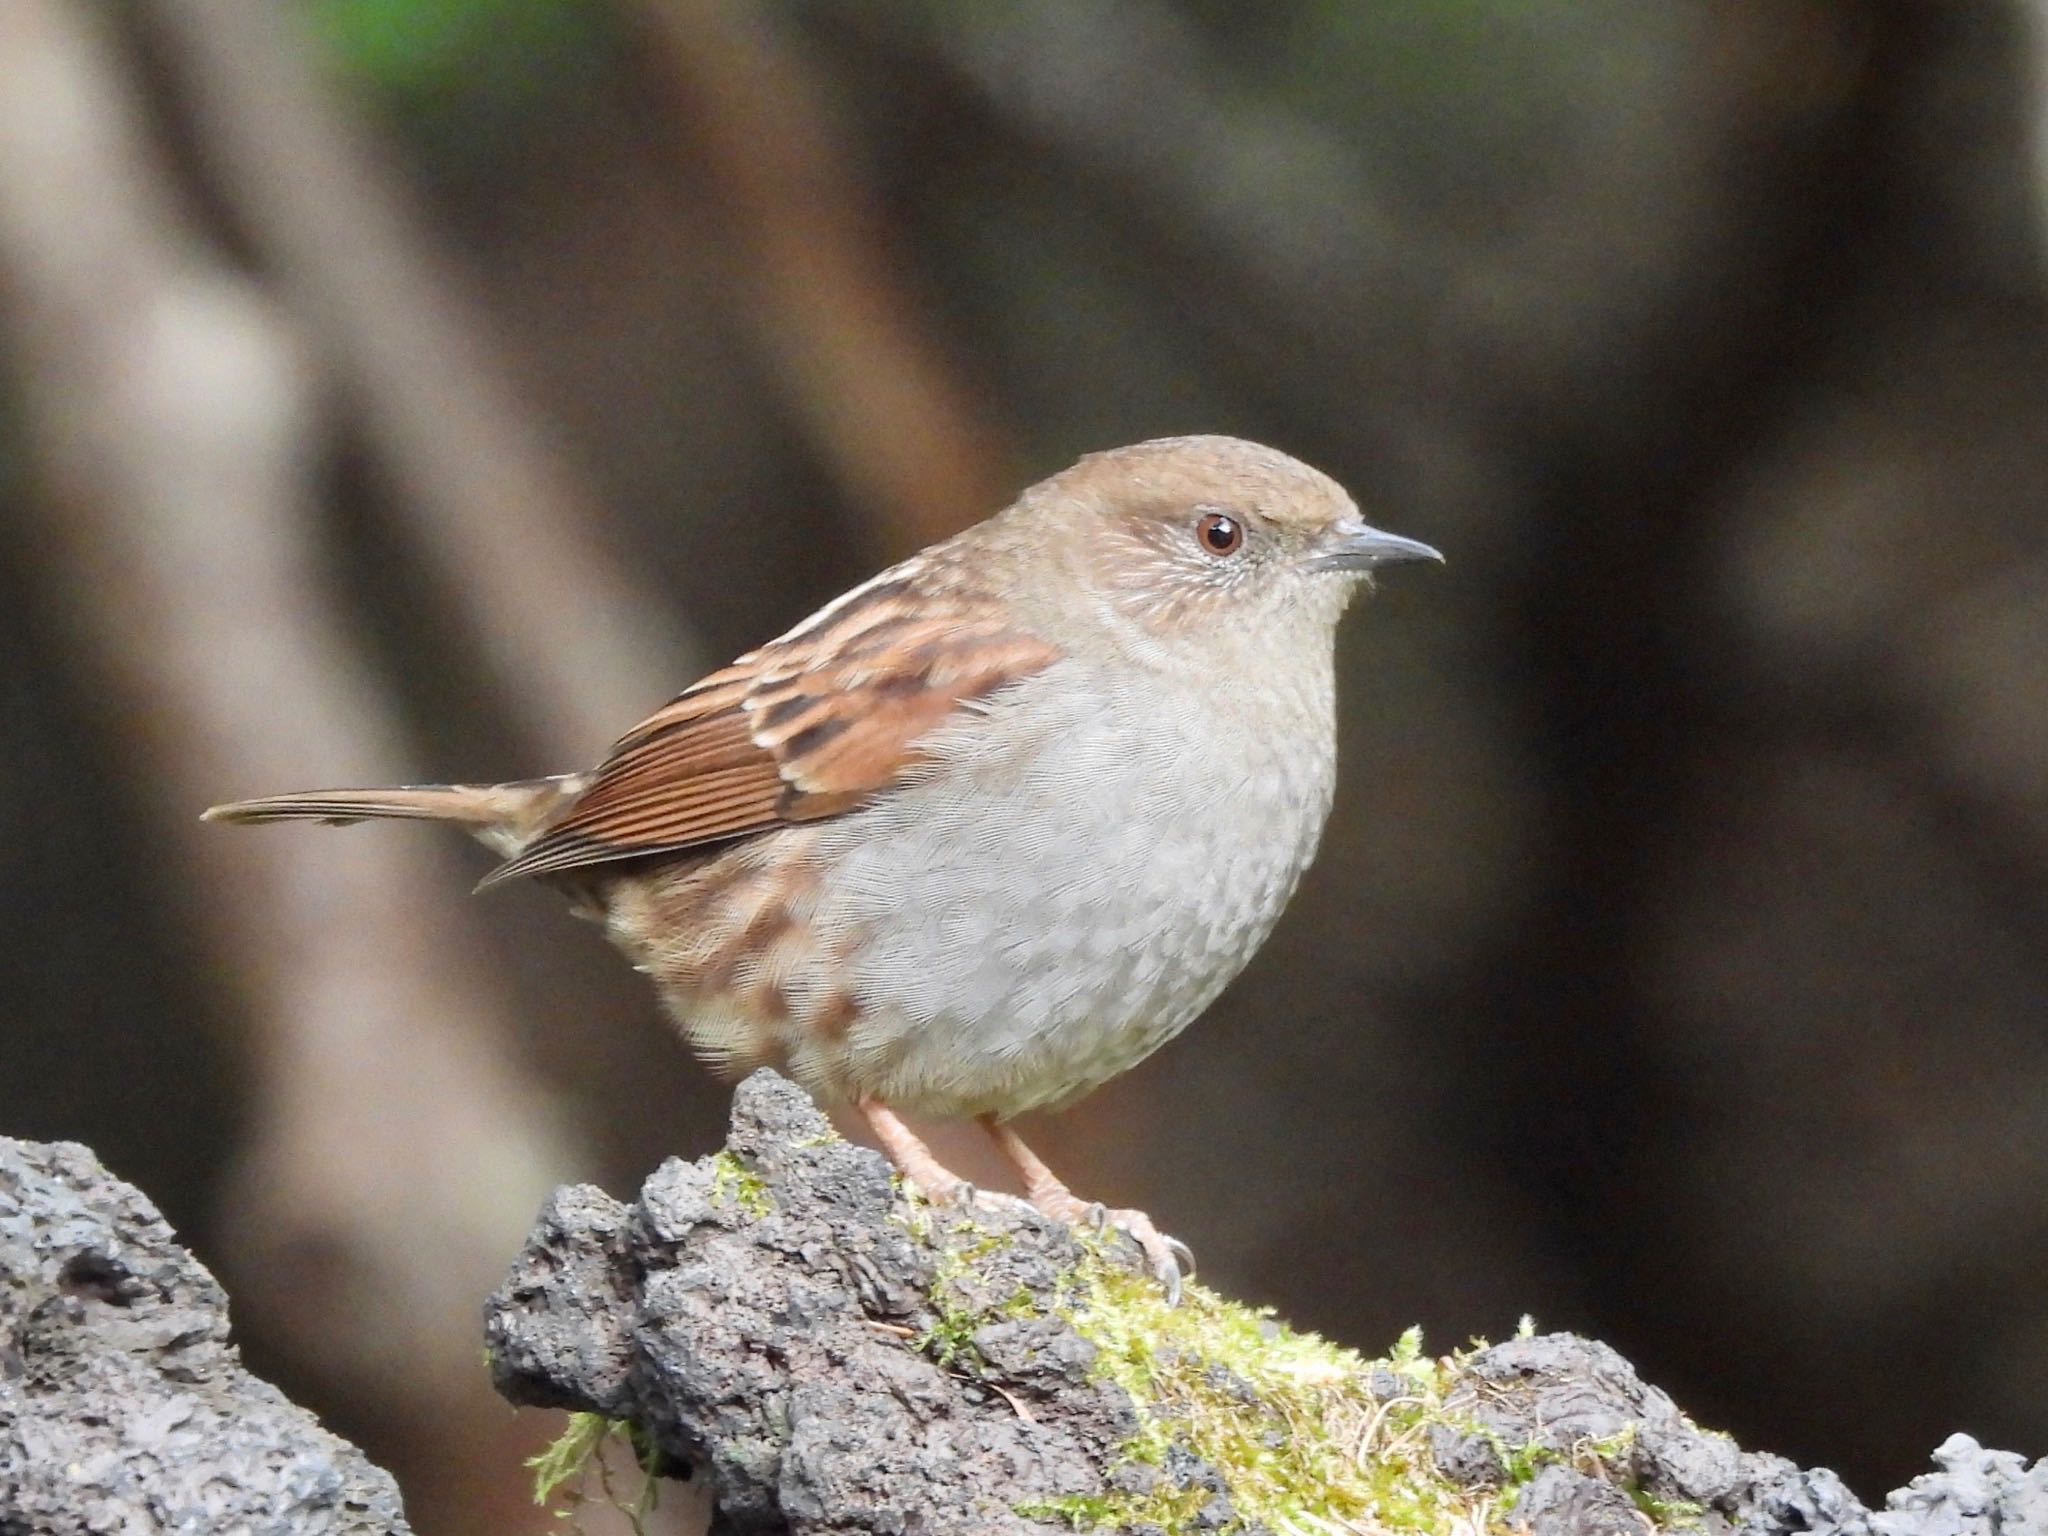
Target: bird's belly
[{"x": 1014, "y": 939}]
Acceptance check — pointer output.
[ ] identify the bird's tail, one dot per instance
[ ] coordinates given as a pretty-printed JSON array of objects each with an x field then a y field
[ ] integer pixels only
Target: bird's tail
[{"x": 505, "y": 817}]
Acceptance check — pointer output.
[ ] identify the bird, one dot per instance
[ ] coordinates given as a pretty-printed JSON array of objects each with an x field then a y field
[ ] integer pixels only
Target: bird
[{"x": 988, "y": 829}]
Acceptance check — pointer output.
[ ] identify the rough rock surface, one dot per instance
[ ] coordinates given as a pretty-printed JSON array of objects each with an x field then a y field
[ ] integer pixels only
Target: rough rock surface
[
  {"x": 768, "y": 1319},
  {"x": 1560, "y": 1392},
  {"x": 1565, "y": 1393},
  {"x": 758, "y": 1331},
  {"x": 123, "y": 1407},
  {"x": 832, "y": 1359}
]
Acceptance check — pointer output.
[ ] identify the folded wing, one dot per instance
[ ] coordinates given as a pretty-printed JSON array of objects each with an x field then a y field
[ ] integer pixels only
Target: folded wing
[{"x": 810, "y": 725}]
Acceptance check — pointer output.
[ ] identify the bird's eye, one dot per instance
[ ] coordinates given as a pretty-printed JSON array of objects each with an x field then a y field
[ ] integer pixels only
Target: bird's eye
[{"x": 1220, "y": 535}]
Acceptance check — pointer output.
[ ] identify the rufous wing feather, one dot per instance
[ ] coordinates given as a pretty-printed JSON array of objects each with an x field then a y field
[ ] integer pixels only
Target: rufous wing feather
[{"x": 810, "y": 725}]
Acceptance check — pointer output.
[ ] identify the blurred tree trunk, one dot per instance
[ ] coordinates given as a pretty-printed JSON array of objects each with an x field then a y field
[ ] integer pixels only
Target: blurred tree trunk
[{"x": 169, "y": 412}]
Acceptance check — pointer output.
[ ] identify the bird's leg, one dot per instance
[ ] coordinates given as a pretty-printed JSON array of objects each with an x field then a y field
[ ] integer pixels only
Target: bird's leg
[
  {"x": 932, "y": 1179},
  {"x": 1169, "y": 1257}
]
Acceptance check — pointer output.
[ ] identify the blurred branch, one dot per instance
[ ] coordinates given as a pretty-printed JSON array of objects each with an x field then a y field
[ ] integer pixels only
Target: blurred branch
[
  {"x": 578, "y": 642},
  {"x": 165, "y": 406},
  {"x": 839, "y": 321}
]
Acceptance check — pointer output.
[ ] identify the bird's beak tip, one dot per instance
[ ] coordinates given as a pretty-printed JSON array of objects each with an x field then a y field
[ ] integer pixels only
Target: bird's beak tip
[{"x": 1367, "y": 549}]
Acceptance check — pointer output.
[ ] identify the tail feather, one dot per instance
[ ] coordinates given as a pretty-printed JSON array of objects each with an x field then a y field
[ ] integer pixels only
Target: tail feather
[{"x": 505, "y": 817}]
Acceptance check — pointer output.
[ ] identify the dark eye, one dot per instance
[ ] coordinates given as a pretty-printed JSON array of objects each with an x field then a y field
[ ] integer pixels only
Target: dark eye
[{"x": 1220, "y": 535}]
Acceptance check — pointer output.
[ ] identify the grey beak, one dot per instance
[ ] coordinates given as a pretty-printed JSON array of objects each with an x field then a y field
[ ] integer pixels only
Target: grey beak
[{"x": 1366, "y": 549}]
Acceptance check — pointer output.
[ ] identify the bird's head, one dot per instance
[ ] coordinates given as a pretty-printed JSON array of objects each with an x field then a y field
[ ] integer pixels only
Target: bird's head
[{"x": 1184, "y": 534}]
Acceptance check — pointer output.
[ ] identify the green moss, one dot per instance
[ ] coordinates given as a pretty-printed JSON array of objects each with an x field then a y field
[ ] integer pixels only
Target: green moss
[
  {"x": 1596, "y": 1458},
  {"x": 1284, "y": 1417},
  {"x": 568, "y": 1457},
  {"x": 1289, "y": 1420},
  {"x": 565, "y": 1468},
  {"x": 1170, "y": 1509},
  {"x": 734, "y": 1183},
  {"x": 1670, "y": 1514},
  {"x": 1021, "y": 1306},
  {"x": 962, "y": 1244},
  {"x": 1306, "y": 1435}
]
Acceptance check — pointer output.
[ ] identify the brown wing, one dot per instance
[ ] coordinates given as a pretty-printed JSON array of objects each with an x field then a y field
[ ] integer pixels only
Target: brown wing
[{"x": 808, "y": 726}]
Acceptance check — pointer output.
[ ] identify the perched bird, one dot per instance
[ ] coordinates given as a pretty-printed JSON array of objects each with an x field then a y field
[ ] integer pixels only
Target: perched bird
[{"x": 992, "y": 827}]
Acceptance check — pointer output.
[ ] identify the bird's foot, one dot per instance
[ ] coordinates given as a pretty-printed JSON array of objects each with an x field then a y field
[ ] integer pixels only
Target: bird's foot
[
  {"x": 913, "y": 1159},
  {"x": 1169, "y": 1259}
]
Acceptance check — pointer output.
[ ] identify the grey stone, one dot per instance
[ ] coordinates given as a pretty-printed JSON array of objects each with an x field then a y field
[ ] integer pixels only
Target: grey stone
[
  {"x": 763, "y": 1337},
  {"x": 1976, "y": 1493},
  {"x": 123, "y": 1405},
  {"x": 770, "y": 1338},
  {"x": 1560, "y": 1502}
]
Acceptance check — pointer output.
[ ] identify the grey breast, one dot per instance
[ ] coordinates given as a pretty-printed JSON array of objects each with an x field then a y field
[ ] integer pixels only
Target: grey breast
[{"x": 1065, "y": 896}]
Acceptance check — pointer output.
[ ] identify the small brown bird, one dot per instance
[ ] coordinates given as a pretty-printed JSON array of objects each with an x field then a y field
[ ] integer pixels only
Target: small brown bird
[{"x": 992, "y": 827}]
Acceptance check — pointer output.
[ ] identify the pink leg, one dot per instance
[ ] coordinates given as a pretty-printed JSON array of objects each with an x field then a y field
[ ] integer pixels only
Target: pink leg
[
  {"x": 1168, "y": 1257},
  {"x": 932, "y": 1179}
]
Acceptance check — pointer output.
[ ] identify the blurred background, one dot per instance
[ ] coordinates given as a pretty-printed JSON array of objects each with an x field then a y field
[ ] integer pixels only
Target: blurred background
[{"x": 418, "y": 389}]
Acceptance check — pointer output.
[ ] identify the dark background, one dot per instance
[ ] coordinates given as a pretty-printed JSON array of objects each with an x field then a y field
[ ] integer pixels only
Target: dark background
[{"x": 425, "y": 390}]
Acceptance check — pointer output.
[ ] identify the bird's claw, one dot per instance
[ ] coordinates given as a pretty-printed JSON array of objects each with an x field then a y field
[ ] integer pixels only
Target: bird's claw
[{"x": 1168, "y": 1258}]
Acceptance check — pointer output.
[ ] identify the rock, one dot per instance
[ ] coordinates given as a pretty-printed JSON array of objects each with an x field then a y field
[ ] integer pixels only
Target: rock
[
  {"x": 1976, "y": 1493},
  {"x": 750, "y": 1314},
  {"x": 123, "y": 1405},
  {"x": 1561, "y": 1502},
  {"x": 836, "y": 1359}
]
